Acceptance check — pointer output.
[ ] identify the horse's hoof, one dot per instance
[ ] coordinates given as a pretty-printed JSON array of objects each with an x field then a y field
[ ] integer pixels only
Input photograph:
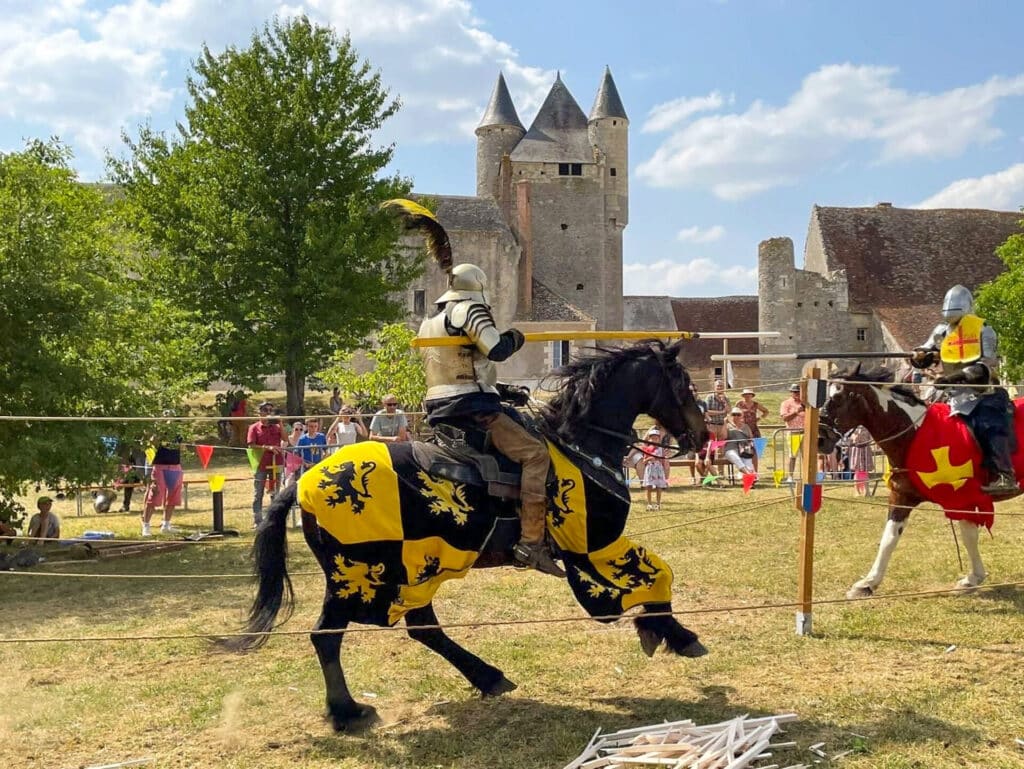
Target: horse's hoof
[
  {"x": 500, "y": 687},
  {"x": 965, "y": 587},
  {"x": 365, "y": 717},
  {"x": 859, "y": 592},
  {"x": 649, "y": 640},
  {"x": 695, "y": 649}
]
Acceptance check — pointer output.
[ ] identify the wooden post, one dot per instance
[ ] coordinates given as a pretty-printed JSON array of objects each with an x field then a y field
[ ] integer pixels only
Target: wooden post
[{"x": 807, "y": 501}]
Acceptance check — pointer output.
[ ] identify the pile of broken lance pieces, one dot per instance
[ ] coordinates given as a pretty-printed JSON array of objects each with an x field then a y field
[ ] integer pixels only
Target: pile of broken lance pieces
[{"x": 733, "y": 744}]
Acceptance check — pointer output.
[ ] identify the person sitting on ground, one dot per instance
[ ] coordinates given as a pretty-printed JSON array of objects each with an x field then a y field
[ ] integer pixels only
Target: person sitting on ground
[
  {"x": 44, "y": 525},
  {"x": 739, "y": 444}
]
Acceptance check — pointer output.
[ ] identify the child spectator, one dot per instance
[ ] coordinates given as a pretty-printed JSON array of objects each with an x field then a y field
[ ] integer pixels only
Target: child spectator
[
  {"x": 45, "y": 524},
  {"x": 861, "y": 460},
  {"x": 655, "y": 466},
  {"x": 752, "y": 412}
]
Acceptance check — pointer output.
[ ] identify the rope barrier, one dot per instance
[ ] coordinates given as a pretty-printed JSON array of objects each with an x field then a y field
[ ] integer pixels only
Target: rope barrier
[
  {"x": 501, "y": 623},
  {"x": 930, "y": 510}
]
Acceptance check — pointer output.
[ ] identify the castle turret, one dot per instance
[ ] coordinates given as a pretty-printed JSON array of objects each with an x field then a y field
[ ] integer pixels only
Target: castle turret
[
  {"x": 608, "y": 128},
  {"x": 777, "y": 278},
  {"x": 498, "y": 133}
]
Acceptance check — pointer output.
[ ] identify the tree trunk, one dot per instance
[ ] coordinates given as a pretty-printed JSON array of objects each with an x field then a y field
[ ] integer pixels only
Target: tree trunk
[{"x": 295, "y": 387}]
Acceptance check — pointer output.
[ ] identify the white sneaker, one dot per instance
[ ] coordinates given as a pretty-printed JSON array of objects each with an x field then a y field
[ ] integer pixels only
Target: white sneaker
[
  {"x": 166, "y": 528},
  {"x": 146, "y": 530}
]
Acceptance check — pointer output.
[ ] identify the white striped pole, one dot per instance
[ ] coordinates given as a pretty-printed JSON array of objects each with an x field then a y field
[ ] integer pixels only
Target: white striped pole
[{"x": 553, "y": 336}]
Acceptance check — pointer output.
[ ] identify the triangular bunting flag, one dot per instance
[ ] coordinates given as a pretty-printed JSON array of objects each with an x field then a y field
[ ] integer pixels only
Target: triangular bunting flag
[
  {"x": 794, "y": 443},
  {"x": 709, "y": 479},
  {"x": 254, "y": 459},
  {"x": 204, "y": 453},
  {"x": 777, "y": 476},
  {"x": 150, "y": 455},
  {"x": 749, "y": 479},
  {"x": 759, "y": 445}
]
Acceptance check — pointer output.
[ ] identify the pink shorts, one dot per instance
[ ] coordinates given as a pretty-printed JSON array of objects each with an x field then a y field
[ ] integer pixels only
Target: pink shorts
[{"x": 165, "y": 488}]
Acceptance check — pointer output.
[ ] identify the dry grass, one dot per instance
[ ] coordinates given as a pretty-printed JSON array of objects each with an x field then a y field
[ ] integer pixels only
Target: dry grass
[{"x": 878, "y": 678}]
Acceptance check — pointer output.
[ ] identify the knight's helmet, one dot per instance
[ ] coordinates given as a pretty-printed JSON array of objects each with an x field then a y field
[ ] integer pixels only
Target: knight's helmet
[
  {"x": 467, "y": 282},
  {"x": 958, "y": 302}
]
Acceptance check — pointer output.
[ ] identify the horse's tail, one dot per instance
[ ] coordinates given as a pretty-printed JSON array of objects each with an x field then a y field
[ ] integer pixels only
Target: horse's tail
[{"x": 274, "y": 592}]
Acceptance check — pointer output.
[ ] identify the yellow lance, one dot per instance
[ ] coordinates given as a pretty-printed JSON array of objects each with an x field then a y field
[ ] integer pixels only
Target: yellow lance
[{"x": 554, "y": 336}]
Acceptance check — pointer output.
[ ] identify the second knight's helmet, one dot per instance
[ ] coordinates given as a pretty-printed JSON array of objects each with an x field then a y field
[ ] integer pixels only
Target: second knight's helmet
[
  {"x": 958, "y": 302},
  {"x": 467, "y": 282}
]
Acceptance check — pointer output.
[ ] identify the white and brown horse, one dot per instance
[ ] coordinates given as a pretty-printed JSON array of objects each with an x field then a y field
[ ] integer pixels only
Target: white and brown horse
[{"x": 933, "y": 455}]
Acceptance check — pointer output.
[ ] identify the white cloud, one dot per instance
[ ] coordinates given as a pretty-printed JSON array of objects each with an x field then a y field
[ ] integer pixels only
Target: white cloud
[
  {"x": 665, "y": 116},
  {"x": 697, "y": 235},
  {"x": 697, "y": 277},
  {"x": 1001, "y": 191},
  {"x": 838, "y": 107},
  {"x": 86, "y": 70}
]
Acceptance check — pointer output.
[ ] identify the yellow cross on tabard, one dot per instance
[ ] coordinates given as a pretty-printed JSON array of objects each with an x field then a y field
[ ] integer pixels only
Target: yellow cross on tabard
[{"x": 955, "y": 475}]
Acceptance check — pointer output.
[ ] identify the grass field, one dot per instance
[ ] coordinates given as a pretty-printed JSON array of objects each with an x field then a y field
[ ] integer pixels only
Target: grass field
[{"x": 927, "y": 683}]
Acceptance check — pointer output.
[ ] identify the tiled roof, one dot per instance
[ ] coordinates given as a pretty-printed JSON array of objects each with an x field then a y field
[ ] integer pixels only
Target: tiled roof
[
  {"x": 897, "y": 257},
  {"x": 608, "y": 103},
  {"x": 647, "y": 313},
  {"x": 547, "y": 305},
  {"x": 716, "y": 313},
  {"x": 900, "y": 262},
  {"x": 558, "y": 133},
  {"x": 467, "y": 213},
  {"x": 501, "y": 110}
]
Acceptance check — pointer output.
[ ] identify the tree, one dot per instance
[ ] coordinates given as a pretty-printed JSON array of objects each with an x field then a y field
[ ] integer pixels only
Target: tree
[
  {"x": 1000, "y": 302},
  {"x": 263, "y": 210},
  {"x": 78, "y": 337},
  {"x": 397, "y": 369}
]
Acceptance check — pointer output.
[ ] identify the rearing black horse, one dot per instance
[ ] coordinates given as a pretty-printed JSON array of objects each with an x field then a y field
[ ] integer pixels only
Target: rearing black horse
[{"x": 387, "y": 531}]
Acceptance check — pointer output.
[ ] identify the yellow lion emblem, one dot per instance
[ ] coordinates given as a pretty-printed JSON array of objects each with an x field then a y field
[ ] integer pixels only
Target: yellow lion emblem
[
  {"x": 357, "y": 578},
  {"x": 445, "y": 497}
]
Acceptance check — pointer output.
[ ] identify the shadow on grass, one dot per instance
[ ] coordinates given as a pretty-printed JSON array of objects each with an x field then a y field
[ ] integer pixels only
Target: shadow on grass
[{"x": 520, "y": 733}]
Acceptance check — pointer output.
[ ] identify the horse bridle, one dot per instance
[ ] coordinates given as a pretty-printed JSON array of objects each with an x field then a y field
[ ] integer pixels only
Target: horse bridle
[{"x": 912, "y": 426}]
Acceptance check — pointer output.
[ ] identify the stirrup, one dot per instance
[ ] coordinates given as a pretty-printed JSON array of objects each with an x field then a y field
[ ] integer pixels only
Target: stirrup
[{"x": 537, "y": 556}]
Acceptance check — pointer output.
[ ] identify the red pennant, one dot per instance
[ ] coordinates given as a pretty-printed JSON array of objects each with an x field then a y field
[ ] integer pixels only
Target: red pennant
[
  {"x": 204, "y": 453},
  {"x": 748, "y": 481}
]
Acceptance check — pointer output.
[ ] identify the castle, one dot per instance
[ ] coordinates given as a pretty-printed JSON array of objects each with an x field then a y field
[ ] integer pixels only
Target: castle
[{"x": 546, "y": 222}]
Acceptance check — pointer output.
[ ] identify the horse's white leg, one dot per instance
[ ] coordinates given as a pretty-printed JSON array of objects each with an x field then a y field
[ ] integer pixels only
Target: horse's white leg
[
  {"x": 969, "y": 533},
  {"x": 890, "y": 538}
]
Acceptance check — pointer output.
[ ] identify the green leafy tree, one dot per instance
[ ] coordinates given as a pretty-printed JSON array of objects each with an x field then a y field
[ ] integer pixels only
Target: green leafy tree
[
  {"x": 263, "y": 209},
  {"x": 79, "y": 336},
  {"x": 1001, "y": 303},
  {"x": 397, "y": 369}
]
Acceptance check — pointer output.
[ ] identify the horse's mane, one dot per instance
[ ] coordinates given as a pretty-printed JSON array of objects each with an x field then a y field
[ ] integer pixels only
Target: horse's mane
[
  {"x": 878, "y": 374},
  {"x": 581, "y": 378}
]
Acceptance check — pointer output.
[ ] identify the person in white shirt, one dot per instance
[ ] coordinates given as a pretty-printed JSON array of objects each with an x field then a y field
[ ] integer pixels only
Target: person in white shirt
[{"x": 345, "y": 429}]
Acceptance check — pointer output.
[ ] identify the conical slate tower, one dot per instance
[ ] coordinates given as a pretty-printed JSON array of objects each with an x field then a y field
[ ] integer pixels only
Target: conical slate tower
[{"x": 498, "y": 133}]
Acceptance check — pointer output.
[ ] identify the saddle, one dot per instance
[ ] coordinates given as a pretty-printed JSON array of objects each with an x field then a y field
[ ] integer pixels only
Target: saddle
[{"x": 462, "y": 457}]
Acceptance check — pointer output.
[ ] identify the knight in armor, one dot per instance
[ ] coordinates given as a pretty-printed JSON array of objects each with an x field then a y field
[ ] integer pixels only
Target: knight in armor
[
  {"x": 462, "y": 381},
  {"x": 462, "y": 385},
  {"x": 967, "y": 348}
]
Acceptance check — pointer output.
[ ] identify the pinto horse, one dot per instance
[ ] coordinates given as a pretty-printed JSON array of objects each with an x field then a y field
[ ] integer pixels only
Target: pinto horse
[
  {"x": 933, "y": 455},
  {"x": 387, "y": 531}
]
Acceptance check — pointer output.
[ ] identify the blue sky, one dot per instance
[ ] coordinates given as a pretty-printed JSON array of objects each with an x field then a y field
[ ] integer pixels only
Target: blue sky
[{"x": 742, "y": 114}]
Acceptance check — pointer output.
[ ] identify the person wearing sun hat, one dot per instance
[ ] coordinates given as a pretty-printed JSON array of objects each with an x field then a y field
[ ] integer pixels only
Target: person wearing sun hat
[
  {"x": 655, "y": 465},
  {"x": 752, "y": 413},
  {"x": 45, "y": 524},
  {"x": 792, "y": 413}
]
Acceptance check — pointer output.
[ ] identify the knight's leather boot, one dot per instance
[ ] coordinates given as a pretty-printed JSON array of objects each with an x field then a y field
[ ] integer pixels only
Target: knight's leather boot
[
  {"x": 536, "y": 555},
  {"x": 1003, "y": 485}
]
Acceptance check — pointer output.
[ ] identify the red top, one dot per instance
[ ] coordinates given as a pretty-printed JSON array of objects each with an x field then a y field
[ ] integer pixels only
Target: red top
[{"x": 266, "y": 435}]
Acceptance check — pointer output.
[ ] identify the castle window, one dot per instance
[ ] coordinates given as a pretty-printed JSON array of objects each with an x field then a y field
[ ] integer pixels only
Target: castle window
[
  {"x": 830, "y": 303},
  {"x": 419, "y": 302},
  {"x": 862, "y": 334},
  {"x": 611, "y": 172},
  {"x": 799, "y": 304},
  {"x": 563, "y": 169},
  {"x": 579, "y": 286},
  {"x": 577, "y": 169},
  {"x": 564, "y": 226},
  {"x": 559, "y": 353},
  {"x": 815, "y": 304},
  {"x": 783, "y": 280}
]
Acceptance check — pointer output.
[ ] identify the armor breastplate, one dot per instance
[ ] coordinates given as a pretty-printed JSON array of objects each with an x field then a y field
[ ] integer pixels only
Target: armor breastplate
[
  {"x": 962, "y": 345},
  {"x": 451, "y": 370}
]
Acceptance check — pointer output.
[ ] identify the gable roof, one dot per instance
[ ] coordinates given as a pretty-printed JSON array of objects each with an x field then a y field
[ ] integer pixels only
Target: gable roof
[
  {"x": 897, "y": 257},
  {"x": 547, "y": 305},
  {"x": 900, "y": 262},
  {"x": 715, "y": 313},
  {"x": 559, "y": 132}
]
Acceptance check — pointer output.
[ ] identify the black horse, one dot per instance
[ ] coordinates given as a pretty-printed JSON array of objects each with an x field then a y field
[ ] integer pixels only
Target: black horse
[{"x": 387, "y": 531}]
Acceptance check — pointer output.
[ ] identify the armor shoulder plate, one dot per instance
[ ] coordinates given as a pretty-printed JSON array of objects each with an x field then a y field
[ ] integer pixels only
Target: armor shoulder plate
[{"x": 458, "y": 313}]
